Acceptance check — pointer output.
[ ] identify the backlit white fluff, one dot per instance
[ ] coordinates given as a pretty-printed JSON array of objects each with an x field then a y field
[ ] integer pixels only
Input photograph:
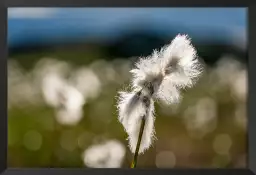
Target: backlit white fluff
[
  {"x": 168, "y": 93},
  {"x": 148, "y": 132},
  {"x": 128, "y": 104},
  {"x": 175, "y": 66},
  {"x": 159, "y": 76},
  {"x": 132, "y": 109},
  {"x": 187, "y": 67}
]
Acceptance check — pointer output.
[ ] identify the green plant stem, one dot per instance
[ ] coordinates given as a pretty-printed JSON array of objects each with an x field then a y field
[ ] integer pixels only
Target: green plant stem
[{"x": 134, "y": 162}]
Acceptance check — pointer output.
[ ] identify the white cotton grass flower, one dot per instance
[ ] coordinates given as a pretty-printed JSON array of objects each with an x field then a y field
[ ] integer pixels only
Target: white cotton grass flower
[
  {"x": 175, "y": 66},
  {"x": 66, "y": 99},
  {"x": 52, "y": 85},
  {"x": 49, "y": 74},
  {"x": 227, "y": 70},
  {"x": 51, "y": 65},
  {"x": 132, "y": 109},
  {"x": 159, "y": 76},
  {"x": 239, "y": 85},
  {"x": 48, "y": 67},
  {"x": 87, "y": 82},
  {"x": 66, "y": 95},
  {"x": 71, "y": 109},
  {"x": 22, "y": 91},
  {"x": 106, "y": 155}
]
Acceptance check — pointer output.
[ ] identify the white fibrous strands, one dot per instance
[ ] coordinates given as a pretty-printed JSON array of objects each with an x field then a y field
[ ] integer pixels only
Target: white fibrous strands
[
  {"x": 159, "y": 76},
  {"x": 132, "y": 108}
]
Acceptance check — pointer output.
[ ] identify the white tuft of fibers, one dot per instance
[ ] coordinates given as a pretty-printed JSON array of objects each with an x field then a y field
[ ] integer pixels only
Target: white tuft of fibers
[
  {"x": 174, "y": 67},
  {"x": 145, "y": 71},
  {"x": 131, "y": 110},
  {"x": 159, "y": 76},
  {"x": 148, "y": 132},
  {"x": 180, "y": 61},
  {"x": 127, "y": 103}
]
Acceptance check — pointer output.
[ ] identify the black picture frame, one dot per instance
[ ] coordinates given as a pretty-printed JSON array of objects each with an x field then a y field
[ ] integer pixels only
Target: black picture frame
[{"x": 251, "y": 169}]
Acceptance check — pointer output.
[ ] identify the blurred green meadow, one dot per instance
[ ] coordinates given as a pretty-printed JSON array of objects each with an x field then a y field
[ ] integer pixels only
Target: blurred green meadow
[{"x": 206, "y": 130}]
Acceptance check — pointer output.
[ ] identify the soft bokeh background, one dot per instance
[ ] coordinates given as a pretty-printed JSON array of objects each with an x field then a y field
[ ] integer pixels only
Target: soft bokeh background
[{"x": 66, "y": 66}]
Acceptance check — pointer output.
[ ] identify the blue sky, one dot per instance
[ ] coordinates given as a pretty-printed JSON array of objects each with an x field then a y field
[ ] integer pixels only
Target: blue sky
[{"x": 25, "y": 24}]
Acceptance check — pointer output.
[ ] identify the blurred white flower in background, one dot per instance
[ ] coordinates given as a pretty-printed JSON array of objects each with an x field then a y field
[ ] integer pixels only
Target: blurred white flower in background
[
  {"x": 231, "y": 75},
  {"x": 52, "y": 87},
  {"x": 104, "y": 70},
  {"x": 227, "y": 71},
  {"x": 239, "y": 86},
  {"x": 65, "y": 99},
  {"x": 66, "y": 92},
  {"x": 58, "y": 93},
  {"x": 51, "y": 66},
  {"x": 106, "y": 155},
  {"x": 15, "y": 72},
  {"x": 49, "y": 78},
  {"x": 87, "y": 82},
  {"x": 70, "y": 111},
  {"x": 21, "y": 89},
  {"x": 201, "y": 119},
  {"x": 49, "y": 75}
]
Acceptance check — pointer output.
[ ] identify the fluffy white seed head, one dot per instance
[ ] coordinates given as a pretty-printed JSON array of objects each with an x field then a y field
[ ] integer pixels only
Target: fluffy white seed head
[
  {"x": 180, "y": 61},
  {"x": 131, "y": 110},
  {"x": 126, "y": 104},
  {"x": 159, "y": 76},
  {"x": 175, "y": 66},
  {"x": 168, "y": 93}
]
